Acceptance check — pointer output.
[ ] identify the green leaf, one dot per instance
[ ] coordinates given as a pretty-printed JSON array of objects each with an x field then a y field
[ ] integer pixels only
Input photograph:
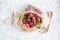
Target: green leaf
[
  {"x": 29, "y": 16},
  {"x": 37, "y": 22},
  {"x": 38, "y": 27},
  {"x": 21, "y": 15},
  {"x": 24, "y": 20},
  {"x": 34, "y": 22}
]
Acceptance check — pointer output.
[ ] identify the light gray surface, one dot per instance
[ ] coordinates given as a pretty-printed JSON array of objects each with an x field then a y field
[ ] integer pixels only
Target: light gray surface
[{"x": 8, "y": 32}]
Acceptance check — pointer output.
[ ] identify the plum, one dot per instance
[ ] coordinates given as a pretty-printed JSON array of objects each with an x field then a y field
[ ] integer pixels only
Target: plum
[
  {"x": 27, "y": 25},
  {"x": 31, "y": 24},
  {"x": 33, "y": 19},
  {"x": 28, "y": 20},
  {"x": 31, "y": 14},
  {"x": 38, "y": 18}
]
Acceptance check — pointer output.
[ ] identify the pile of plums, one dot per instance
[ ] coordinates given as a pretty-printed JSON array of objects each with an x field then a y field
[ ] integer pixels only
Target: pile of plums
[{"x": 31, "y": 19}]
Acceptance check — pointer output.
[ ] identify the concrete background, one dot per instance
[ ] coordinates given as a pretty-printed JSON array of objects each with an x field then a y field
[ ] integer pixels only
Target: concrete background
[{"x": 8, "y": 32}]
